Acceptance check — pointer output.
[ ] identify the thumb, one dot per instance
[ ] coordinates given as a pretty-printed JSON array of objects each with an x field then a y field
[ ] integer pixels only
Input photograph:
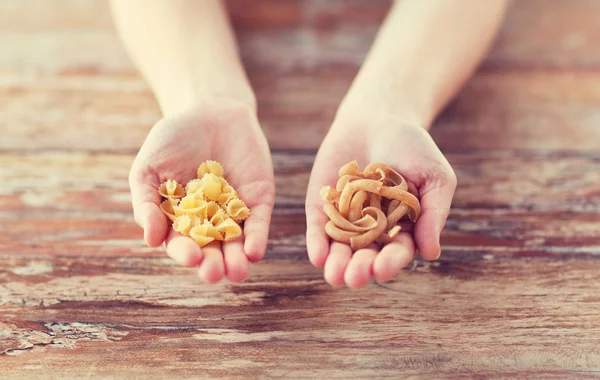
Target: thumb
[{"x": 146, "y": 211}]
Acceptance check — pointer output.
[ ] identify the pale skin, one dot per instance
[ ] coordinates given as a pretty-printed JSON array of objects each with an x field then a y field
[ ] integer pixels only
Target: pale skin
[{"x": 423, "y": 53}]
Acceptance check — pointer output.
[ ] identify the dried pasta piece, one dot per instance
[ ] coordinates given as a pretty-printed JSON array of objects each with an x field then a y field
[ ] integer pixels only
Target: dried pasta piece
[
  {"x": 236, "y": 208},
  {"x": 343, "y": 181},
  {"x": 406, "y": 198},
  {"x": 349, "y": 168},
  {"x": 366, "y": 238},
  {"x": 338, "y": 234},
  {"x": 211, "y": 187},
  {"x": 197, "y": 233},
  {"x": 356, "y": 205},
  {"x": 194, "y": 187},
  {"x": 210, "y": 167},
  {"x": 224, "y": 198},
  {"x": 390, "y": 174},
  {"x": 375, "y": 201},
  {"x": 229, "y": 229},
  {"x": 329, "y": 194},
  {"x": 364, "y": 224},
  {"x": 211, "y": 209},
  {"x": 171, "y": 189},
  {"x": 394, "y": 203},
  {"x": 396, "y": 215},
  {"x": 367, "y": 185},
  {"x": 167, "y": 208},
  {"x": 219, "y": 217},
  {"x": 183, "y": 224},
  {"x": 191, "y": 205}
]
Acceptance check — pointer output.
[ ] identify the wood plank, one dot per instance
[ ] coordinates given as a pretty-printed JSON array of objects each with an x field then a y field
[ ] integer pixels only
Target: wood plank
[
  {"x": 75, "y": 34},
  {"x": 486, "y": 317},
  {"x": 495, "y": 111}
]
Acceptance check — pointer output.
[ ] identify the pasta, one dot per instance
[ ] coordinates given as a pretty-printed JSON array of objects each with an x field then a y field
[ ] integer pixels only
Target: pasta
[
  {"x": 207, "y": 209},
  {"x": 171, "y": 189},
  {"x": 210, "y": 167},
  {"x": 368, "y": 207}
]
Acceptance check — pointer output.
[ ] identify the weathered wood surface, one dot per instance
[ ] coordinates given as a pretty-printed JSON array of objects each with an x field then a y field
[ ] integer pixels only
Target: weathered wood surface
[{"x": 515, "y": 293}]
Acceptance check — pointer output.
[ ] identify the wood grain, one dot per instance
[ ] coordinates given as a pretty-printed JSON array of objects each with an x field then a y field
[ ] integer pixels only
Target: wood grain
[
  {"x": 490, "y": 317},
  {"x": 514, "y": 295}
]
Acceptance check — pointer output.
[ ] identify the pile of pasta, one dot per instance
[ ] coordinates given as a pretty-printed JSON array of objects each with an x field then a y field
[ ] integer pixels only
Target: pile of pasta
[
  {"x": 366, "y": 207},
  {"x": 207, "y": 209}
]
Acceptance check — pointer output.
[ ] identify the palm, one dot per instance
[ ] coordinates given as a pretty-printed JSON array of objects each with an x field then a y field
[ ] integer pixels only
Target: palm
[
  {"x": 173, "y": 150},
  {"x": 411, "y": 152}
]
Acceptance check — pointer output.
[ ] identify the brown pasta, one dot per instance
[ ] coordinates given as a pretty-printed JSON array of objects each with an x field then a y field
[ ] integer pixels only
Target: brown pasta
[
  {"x": 356, "y": 205},
  {"x": 208, "y": 208},
  {"x": 367, "y": 207}
]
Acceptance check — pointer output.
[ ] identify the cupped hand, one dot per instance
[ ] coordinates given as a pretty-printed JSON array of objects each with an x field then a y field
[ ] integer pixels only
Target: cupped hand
[
  {"x": 176, "y": 145},
  {"x": 410, "y": 150}
]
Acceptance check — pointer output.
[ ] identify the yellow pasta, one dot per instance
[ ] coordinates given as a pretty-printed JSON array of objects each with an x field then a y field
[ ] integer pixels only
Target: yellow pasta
[
  {"x": 192, "y": 206},
  {"x": 171, "y": 189},
  {"x": 197, "y": 233},
  {"x": 211, "y": 187},
  {"x": 218, "y": 217},
  {"x": 224, "y": 198},
  {"x": 229, "y": 229},
  {"x": 210, "y": 167},
  {"x": 183, "y": 224},
  {"x": 208, "y": 208},
  {"x": 167, "y": 208},
  {"x": 237, "y": 209},
  {"x": 194, "y": 187}
]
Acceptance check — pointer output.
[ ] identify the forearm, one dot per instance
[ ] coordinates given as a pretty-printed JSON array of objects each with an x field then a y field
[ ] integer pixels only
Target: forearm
[
  {"x": 185, "y": 49},
  {"x": 424, "y": 52}
]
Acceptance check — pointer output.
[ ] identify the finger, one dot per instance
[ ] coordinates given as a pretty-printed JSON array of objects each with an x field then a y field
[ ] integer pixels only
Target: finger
[
  {"x": 256, "y": 231},
  {"x": 236, "y": 262},
  {"x": 393, "y": 257},
  {"x": 146, "y": 211},
  {"x": 317, "y": 241},
  {"x": 212, "y": 268},
  {"x": 337, "y": 261},
  {"x": 435, "y": 207},
  {"x": 183, "y": 249},
  {"x": 359, "y": 270}
]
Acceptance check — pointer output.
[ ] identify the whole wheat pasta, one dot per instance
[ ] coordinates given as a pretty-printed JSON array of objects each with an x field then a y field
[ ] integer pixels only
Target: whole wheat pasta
[
  {"x": 390, "y": 174},
  {"x": 367, "y": 207},
  {"x": 327, "y": 193},
  {"x": 351, "y": 168},
  {"x": 366, "y": 223},
  {"x": 395, "y": 216},
  {"x": 375, "y": 201},
  {"x": 343, "y": 181},
  {"x": 406, "y": 198},
  {"x": 366, "y": 238},
  {"x": 356, "y": 205},
  {"x": 338, "y": 234}
]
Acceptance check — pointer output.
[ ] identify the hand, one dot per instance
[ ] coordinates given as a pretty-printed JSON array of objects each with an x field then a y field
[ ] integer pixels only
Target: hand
[
  {"x": 411, "y": 151},
  {"x": 173, "y": 149}
]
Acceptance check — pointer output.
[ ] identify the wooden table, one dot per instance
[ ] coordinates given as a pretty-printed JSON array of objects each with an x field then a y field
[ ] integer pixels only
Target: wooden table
[{"x": 516, "y": 292}]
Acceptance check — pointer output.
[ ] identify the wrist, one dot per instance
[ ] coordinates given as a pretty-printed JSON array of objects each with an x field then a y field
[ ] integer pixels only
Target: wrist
[
  {"x": 383, "y": 96},
  {"x": 179, "y": 94}
]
